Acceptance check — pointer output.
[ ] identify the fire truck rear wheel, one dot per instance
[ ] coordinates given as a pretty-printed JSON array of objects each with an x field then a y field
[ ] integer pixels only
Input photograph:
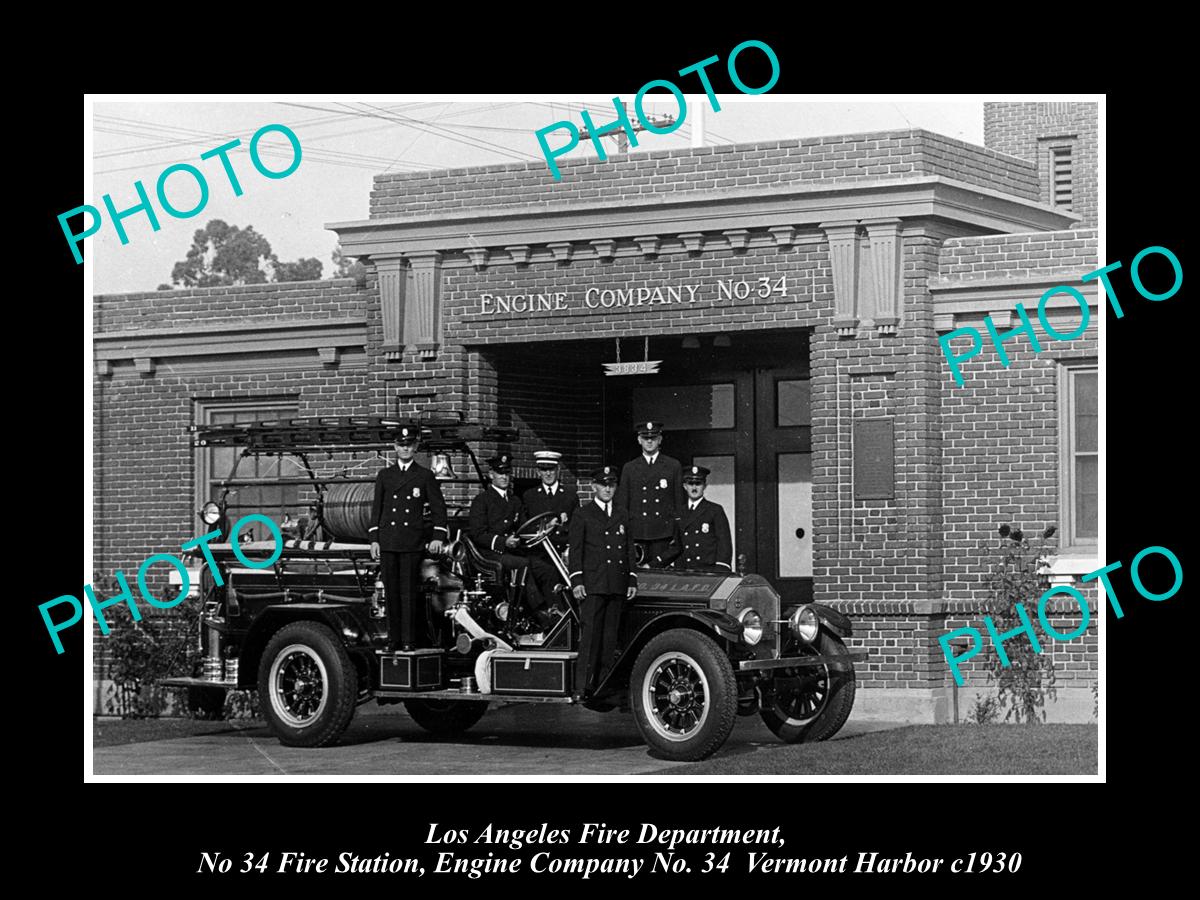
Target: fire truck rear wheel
[
  {"x": 307, "y": 686},
  {"x": 445, "y": 717}
]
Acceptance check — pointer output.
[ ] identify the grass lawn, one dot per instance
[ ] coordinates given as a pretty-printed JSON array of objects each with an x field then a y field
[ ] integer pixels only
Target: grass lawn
[
  {"x": 922, "y": 750},
  {"x": 111, "y": 732}
]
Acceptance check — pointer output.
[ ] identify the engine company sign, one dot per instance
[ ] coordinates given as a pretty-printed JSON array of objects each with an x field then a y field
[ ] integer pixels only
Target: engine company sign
[{"x": 645, "y": 296}]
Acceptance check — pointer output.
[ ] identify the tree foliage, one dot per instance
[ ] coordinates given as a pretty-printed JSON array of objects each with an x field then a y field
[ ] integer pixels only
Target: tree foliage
[
  {"x": 347, "y": 266},
  {"x": 306, "y": 269},
  {"x": 224, "y": 255}
]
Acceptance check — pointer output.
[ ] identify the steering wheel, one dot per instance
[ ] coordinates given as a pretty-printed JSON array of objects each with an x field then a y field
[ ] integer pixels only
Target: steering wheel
[{"x": 535, "y": 530}]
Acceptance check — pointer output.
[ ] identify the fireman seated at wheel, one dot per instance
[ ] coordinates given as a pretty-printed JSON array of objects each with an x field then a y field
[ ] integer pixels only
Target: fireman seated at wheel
[
  {"x": 495, "y": 519},
  {"x": 701, "y": 540},
  {"x": 550, "y": 495}
]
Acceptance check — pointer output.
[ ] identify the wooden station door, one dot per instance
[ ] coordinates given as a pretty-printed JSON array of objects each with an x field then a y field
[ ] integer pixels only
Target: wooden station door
[{"x": 746, "y": 416}]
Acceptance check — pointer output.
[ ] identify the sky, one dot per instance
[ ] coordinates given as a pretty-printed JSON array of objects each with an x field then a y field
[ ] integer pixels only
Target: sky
[{"x": 346, "y": 141}]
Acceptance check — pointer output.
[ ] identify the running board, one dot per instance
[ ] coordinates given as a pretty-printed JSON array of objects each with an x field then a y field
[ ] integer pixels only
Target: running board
[
  {"x": 459, "y": 695},
  {"x": 795, "y": 662}
]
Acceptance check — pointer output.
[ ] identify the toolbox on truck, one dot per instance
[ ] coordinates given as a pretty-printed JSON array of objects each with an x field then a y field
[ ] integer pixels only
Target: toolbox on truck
[
  {"x": 412, "y": 670},
  {"x": 532, "y": 673}
]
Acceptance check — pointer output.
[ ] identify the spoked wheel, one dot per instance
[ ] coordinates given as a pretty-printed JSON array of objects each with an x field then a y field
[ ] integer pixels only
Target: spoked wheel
[
  {"x": 678, "y": 693},
  {"x": 811, "y": 703},
  {"x": 298, "y": 679},
  {"x": 307, "y": 686},
  {"x": 684, "y": 694}
]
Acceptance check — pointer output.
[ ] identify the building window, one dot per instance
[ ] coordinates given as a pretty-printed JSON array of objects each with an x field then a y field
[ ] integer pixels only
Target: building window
[
  {"x": 259, "y": 489},
  {"x": 1079, "y": 456},
  {"x": 691, "y": 407}
]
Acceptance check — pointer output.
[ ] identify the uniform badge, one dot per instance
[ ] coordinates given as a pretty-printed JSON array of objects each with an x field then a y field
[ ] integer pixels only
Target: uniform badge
[
  {"x": 620, "y": 529},
  {"x": 662, "y": 483},
  {"x": 563, "y": 517},
  {"x": 704, "y": 527},
  {"x": 416, "y": 492}
]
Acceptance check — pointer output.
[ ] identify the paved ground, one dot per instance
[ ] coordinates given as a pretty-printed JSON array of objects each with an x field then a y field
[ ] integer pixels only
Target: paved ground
[{"x": 518, "y": 739}]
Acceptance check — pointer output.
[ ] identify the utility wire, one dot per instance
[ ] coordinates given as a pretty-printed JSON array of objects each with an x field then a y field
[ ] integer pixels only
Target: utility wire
[
  {"x": 334, "y": 157},
  {"x": 412, "y": 143},
  {"x": 173, "y": 137},
  {"x": 448, "y": 132},
  {"x": 130, "y": 151},
  {"x": 177, "y": 133},
  {"x": 463, "y": 139}
]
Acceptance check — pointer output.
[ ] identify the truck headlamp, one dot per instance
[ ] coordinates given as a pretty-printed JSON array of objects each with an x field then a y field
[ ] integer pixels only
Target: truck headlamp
[
  {"x": 752, "y": 630},
  {"x": 804, "y": 624}
]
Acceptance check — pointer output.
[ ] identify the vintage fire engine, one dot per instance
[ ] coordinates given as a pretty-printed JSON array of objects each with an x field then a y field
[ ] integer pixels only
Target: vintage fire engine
[{"x": 696, "y": 649}]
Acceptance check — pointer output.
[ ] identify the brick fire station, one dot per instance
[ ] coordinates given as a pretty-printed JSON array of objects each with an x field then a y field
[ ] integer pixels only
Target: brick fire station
[{"x": 793, "y": 293}]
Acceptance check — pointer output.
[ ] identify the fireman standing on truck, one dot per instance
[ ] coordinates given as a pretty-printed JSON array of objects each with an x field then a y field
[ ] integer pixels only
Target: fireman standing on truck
[
  {"x": 702, "y": 540},
  {"x": 651, "y": 490},
  {"x": 398, "y": 537}
]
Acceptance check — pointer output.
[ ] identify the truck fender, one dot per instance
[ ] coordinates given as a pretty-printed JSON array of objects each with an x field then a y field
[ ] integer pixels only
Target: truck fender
[
  {"x": 335, "y": 615},
  {"x": 709, "y": 621},
  {"x": 835, "y": 621}
]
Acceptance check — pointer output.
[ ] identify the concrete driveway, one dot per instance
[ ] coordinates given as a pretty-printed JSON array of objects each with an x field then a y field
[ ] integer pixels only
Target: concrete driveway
[{"x": 513, "y": 739}]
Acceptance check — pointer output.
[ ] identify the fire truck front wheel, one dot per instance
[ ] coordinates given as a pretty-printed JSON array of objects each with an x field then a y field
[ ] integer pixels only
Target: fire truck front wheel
[{"x": 307, "y": 686}]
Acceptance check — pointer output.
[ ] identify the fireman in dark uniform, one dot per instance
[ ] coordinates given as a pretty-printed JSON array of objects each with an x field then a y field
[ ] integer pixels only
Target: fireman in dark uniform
[
  {"x": 398, "y": 536},
  {"x": 702, "y": 539},
  {"x": 495, "y": 515},
  {"x": 651, "y": 490},
  {"x": 551, "y": 496},
  {"x": 602, "y": 557}
]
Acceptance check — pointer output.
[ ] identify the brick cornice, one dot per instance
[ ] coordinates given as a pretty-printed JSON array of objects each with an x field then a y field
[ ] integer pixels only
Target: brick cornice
[
  {"x": 232, "y": 339},
  {"x": 775, "y": 207},
  {"x": 957, "y": 303}
]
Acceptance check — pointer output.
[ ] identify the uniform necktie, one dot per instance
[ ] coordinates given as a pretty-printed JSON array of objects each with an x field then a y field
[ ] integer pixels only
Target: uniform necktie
[{"x": 692, "y": 506}]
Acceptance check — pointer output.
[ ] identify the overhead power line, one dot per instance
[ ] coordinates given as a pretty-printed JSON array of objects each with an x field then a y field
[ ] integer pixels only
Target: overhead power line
[
  {"x": 182, "y": 136},
  {"x": 447, "y": 131},
  {"x": 440, "y": 131}
]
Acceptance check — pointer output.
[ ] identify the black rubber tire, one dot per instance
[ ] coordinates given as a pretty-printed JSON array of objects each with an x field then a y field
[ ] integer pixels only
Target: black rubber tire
[
  {"x": 828, "y": 719},
  {"x": 447, "y": 717},
  {"x": 703, "y": 656},
  {"x": 339, "y": 688}
]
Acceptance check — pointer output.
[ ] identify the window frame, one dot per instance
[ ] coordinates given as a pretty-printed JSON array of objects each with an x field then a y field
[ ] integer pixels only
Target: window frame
[
  {"x": 265, "y": 408},
  {"x": 1069, "y": 541},
  {"x": 723, "y": 381}
]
